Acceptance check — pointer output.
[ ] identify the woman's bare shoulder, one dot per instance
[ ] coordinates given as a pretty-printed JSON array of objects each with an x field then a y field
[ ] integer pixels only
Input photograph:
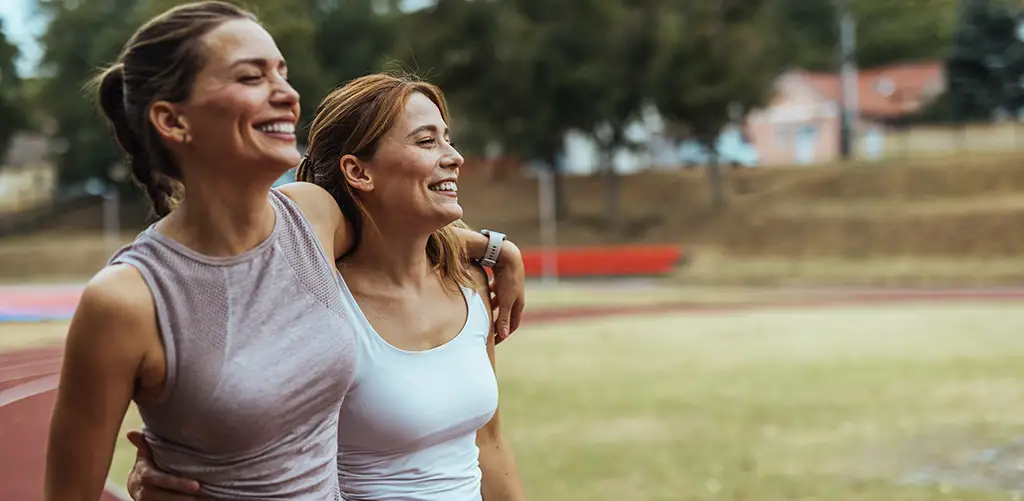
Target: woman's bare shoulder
[
  {"x": 117, "y": 289},
  {"x": 116, "y": 316},
  {"x": 315, "y": 202},
  {"x": 323, "y": 214}
]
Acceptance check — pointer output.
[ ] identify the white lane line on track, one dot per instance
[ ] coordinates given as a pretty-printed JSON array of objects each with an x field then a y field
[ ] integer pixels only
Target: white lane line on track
[{"x": 29, "y": 389}]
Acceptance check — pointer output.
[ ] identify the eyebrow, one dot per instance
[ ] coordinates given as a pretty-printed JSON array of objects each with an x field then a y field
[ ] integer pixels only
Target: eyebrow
[
  {"x": 431, "y": 128},
  {"x": 257, "y": 61}
]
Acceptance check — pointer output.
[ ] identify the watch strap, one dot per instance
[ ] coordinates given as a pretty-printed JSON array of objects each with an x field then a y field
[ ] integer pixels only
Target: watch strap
[{"x": 494, "y": 241}]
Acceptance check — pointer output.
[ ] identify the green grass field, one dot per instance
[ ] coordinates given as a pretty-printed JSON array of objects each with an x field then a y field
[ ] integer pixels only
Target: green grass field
[{"x": 835, "y": 404}]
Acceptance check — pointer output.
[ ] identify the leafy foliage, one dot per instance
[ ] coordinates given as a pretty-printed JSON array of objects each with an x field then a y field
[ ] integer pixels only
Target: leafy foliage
[
  {"x": 13, "y": 114},
  {"x": 888, "y": 31},
  {"x": 986, "y": 67},
  {"x": 725, "y": 61},
  {"x": 522, "y": 74}
]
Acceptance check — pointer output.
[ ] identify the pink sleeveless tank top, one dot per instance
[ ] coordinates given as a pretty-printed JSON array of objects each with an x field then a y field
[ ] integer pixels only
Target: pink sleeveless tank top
[{"x": 260, "y": 353}]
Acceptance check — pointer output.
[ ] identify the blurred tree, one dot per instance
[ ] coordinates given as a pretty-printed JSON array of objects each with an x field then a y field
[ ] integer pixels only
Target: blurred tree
[
  {"x": 907, "y": 30},
  {"x": 712, "y": 64},
  {"x": 519, "y": 68},
  {"x": 888, "y": 31},
  {"x": 454, "y": 45},
  {"x": 14, "y": 112},
  {"x": 351, "y": 38},
  {"x": 985, "y": 70},
  {"x": 624, "y": 46},
  {"x": 530, "y": 71},
  {"x": 82, "y": 36},
  {"x": 809, "y": 32}
]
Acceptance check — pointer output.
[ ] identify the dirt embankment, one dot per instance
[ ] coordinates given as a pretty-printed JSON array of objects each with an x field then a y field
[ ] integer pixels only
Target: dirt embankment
[{"x": 923, "y": 218}]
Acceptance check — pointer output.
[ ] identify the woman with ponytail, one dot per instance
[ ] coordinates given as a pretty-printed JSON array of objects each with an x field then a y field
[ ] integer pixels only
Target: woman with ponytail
[
  {"x": 223, "y": 320},
  {"x": 152, "y": 169},
  {"x": 421, "y": 421}
]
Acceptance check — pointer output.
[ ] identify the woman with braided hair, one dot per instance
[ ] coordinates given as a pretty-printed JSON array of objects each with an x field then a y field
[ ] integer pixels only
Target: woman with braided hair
[
  {"x": 223, "y": 321},
  {"x": 421, "y": 421}
]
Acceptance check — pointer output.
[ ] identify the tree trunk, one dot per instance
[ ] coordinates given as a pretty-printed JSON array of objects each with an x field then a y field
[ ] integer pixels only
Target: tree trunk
[
  {"x": 715, "y": 180},
  {"x": 561, "y": 202},
  {"x": 612, "y": 213}
]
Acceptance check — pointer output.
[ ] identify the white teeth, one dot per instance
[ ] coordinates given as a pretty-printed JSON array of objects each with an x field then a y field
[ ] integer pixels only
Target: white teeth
[
  {"x": 445, "y": 186},
  {"x": 284, "y": 127}
]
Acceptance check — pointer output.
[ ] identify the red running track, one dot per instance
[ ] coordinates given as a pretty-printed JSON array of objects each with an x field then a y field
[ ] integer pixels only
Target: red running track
[
  {"x": 28, "y": 378},
  {"x": 27, "y": 381}
]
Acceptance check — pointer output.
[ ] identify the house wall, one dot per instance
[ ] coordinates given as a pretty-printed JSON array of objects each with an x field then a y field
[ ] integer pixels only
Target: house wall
[
  {"x": 802, "y": 124},
  {"x": 797, "y": 127}
]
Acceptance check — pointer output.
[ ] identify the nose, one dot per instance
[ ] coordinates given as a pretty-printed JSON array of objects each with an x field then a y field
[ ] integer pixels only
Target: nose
[
  {"x": 284, "y": 94},
  {"x": 453, "y": 160}
]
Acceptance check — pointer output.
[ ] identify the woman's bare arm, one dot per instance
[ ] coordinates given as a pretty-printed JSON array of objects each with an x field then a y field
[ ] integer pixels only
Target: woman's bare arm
[
  {"x": 501, "y": 481},
  {"x": 323, "y": 214},
  {"x": 335, "y": 234},
  {"x": 509, "y": 285},
  {"x": 111, "y": 333}
]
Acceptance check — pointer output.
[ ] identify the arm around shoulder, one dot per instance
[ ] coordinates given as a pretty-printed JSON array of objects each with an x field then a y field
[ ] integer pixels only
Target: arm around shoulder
[
  {"x": 509, "y": 279},
  {"x": 323, "y": 214},
  {"x": 111, "y": 334}
]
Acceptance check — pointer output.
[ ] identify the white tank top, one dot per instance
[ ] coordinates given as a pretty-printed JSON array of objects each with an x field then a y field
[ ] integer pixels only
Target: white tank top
[{"x": 408, "y": 424}]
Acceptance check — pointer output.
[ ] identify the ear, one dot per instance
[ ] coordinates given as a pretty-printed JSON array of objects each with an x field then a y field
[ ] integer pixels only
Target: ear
[
  {"x": 168, "y": 122},
  {"x": 356, "y": 173}
]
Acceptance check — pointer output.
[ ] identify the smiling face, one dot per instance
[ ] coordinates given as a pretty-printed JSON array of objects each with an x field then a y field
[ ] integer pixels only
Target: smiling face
[
  {"x": 415, "y": 170},
  {"x": 242, "y": 111}
]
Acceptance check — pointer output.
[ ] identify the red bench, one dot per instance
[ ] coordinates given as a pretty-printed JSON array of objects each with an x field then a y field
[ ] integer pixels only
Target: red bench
[{"x": 606, "y": 261}]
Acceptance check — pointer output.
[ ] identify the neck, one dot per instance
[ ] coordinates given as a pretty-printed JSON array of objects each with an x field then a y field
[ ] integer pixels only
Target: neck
[
  {"x": 222, "y": 217},
  {"x": 395, "y": 258}
]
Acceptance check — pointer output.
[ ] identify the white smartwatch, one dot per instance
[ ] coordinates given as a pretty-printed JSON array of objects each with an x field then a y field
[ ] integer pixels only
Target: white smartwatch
[{"x": 494, "y": 240}]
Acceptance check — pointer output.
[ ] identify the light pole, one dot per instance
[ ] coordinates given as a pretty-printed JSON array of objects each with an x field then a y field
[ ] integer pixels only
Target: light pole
[
  {"x": 548, "y": 224},
  {"x": 848, "y": 76}
]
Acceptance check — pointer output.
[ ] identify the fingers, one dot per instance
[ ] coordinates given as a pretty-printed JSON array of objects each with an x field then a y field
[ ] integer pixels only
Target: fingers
[
  {"x": 514, "y": 320},
  {"x": 145, "y": 475},
  {"x": 147, "y": 483},
  {"x": 155, "y": 478},
  {"x": 517, "y": 314},
  {"x": 497, "y": 338},
  {"x": 501, "y": 325},
  {"x": 508, "y": 290}
]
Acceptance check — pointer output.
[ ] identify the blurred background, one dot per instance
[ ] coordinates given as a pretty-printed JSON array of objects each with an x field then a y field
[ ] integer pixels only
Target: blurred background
[
  {"x": 772, "y": 141},
  {"x": 777, "y": 244}
]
